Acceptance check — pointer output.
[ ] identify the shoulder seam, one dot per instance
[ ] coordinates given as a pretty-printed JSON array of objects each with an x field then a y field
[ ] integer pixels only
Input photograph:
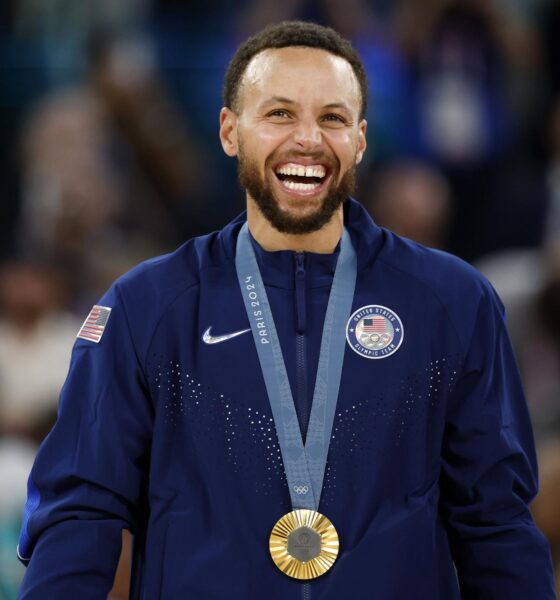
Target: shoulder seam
[
  {"x": 121, "y": 298},
  {"x": 163, "y": 313}
]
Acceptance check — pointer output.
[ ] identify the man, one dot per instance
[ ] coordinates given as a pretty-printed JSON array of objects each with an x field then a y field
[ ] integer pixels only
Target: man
[{"x": 310, "y": 407}]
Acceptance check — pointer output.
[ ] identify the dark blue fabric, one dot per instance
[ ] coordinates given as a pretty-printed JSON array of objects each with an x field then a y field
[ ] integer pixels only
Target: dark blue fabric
[{"x": 431, "y": 462}]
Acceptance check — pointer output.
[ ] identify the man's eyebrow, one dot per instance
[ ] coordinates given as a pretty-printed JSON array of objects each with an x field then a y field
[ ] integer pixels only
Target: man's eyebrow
[
  {"x": 278, "y": 100},
  {"x": 284, "y": 100},
  {"x": 341, "y": 105}
]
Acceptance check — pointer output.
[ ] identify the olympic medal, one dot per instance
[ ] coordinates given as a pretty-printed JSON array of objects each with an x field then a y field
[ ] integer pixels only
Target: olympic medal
[{"x": 304, "y": 544}]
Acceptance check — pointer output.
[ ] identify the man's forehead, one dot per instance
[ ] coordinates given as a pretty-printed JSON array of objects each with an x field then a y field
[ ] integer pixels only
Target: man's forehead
[{"x": 276, "y": 65}]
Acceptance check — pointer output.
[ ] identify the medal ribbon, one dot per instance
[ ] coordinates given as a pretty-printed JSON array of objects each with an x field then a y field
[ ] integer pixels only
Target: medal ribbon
[{"x": 304, "y": 464}]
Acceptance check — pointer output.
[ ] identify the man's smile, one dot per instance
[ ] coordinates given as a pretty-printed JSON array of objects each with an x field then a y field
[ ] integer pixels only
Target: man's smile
[{"x": 301, "y": 178}]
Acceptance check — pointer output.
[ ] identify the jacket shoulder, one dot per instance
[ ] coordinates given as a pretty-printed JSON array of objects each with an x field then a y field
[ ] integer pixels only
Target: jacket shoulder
[
  {"x": 161, "y": 278},
  {"x": 141, "y": 296},
  {"x": 459, "y": 289},
  {"x": 439, "y": 270}
]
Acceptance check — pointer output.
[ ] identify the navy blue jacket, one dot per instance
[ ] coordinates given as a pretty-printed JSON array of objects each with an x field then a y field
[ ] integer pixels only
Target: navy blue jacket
[{"x": 431, "y": 464}]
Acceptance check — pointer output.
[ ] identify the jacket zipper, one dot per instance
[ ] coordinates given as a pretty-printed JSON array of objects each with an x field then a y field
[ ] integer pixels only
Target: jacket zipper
[{"x": 301, "y": 363}]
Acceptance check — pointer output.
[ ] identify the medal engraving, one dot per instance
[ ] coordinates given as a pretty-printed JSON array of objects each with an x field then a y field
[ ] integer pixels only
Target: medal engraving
[{"x": 304, "y": 544}]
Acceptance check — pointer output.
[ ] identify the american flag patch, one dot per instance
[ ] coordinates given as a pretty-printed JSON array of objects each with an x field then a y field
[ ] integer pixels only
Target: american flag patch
[
  {"x": 94, "y": 325},
  {"x": 374, "y": 325}
]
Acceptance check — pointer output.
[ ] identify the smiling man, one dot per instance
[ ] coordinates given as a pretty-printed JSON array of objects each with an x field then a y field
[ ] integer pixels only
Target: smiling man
[
  {"x": 297, "y": 125},
  {"x": 300, "y": 406}
]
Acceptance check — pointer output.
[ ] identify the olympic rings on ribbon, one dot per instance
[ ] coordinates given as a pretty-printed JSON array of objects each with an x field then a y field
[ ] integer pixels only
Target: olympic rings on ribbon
[{"x": 301, "y": 489}]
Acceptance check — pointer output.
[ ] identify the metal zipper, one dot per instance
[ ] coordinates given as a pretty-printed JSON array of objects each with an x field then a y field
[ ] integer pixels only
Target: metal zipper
[{"x": 301, "y": 358}]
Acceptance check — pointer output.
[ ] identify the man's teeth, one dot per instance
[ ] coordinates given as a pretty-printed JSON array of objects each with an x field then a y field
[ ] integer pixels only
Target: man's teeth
[
  {"x": 302, "y": 171},
  {"x": 300, "y": 187}
]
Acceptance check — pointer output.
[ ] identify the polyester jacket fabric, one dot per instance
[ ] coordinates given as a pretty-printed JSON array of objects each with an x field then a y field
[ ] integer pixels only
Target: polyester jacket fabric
[{"x": 431, "y": 464}]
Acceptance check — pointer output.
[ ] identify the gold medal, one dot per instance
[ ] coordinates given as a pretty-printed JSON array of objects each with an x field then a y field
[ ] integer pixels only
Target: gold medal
[{"x": 304, "y": 544}]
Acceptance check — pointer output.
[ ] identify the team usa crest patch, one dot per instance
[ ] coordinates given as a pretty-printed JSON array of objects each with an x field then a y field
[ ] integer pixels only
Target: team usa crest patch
[
  {"x": 374, "y": 331},
  {"x": 95, "y": 323}
]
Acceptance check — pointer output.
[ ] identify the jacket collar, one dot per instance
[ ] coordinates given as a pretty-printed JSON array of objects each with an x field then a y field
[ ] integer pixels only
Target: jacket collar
[{"x": 278, "y": 268}]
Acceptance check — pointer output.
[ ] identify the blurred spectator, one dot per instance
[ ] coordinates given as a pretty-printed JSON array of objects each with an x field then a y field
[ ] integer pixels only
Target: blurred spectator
[
  {"x": 64, "y": 28},
  {"x": 36, "y": 337},
  {"x": 71, "y": 193},
  {"x": 461, "y": 54},
  {"x": 107, "y": 166},
  {"x": 548, "y": 310},
  {"x": 412, "y": 200},
  {"x": 545, "y": 508},
  {"x": 125, "y": 77}
]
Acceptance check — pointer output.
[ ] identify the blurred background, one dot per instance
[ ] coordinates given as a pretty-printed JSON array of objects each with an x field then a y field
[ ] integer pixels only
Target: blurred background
[{"x": 109, "y": 154}]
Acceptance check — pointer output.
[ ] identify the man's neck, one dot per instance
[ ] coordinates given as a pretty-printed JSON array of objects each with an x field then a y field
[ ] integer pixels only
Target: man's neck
[{"x": 323, "y": 241}]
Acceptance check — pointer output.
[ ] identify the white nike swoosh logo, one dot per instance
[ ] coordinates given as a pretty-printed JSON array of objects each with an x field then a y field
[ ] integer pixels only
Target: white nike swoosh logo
[{"x": 218, "y": 339}]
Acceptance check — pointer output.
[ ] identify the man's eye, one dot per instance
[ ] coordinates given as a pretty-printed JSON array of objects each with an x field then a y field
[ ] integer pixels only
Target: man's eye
[
  {"x": 334, "y": 118},
  {"x": 283, "y": 114}
]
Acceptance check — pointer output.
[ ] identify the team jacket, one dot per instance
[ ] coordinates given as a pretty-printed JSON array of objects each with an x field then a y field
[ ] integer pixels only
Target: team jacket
[{"x": 431, "y": 464}]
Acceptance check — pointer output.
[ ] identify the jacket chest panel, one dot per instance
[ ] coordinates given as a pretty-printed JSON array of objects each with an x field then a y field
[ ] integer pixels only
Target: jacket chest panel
[{"x": 211, "y": 398}]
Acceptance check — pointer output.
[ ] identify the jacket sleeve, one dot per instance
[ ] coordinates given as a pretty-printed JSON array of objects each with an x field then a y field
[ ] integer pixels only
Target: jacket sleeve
[
  {"x": 89, "y": 477},
  {"x": 489, "y": 473}
]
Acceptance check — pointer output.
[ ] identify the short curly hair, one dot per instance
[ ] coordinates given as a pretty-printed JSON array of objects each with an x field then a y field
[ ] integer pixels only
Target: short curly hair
[{"x": 286, "y": 34}]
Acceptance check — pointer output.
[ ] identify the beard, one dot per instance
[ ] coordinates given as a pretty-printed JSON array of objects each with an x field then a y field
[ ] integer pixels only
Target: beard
[{"x": 261, "y": 191}]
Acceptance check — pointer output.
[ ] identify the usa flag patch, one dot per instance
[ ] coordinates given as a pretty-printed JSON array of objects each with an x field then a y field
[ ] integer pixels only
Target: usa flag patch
[
  {"x": 95, "y": 324},
  {"x": 374, "y": 331}
]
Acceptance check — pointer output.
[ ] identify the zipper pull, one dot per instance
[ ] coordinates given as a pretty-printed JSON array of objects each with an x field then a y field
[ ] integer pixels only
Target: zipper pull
[
  {"x": 300, "y": 292},
  {"x": 300, "y": 268}
]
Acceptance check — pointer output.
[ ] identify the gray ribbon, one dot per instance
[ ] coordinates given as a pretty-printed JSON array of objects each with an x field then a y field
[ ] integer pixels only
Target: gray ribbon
[{"x": 304, "y": 464}]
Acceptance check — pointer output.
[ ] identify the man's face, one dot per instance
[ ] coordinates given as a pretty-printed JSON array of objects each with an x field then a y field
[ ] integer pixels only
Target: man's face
[{"x": 297, "y": 135}]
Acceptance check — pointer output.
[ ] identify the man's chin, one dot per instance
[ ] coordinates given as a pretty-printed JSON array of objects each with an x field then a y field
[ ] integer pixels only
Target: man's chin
[
  {"x": 300, "y": 208},
  {"x": 298, "y": 224},
  {"x": 297, "y": 218}
]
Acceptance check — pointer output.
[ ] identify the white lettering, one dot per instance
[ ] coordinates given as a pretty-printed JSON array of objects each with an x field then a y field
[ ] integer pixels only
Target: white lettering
[{"x": 385, "y": 313}]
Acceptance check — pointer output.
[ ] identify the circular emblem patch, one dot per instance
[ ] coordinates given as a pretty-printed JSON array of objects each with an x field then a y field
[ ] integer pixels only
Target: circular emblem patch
[{"x": 374, "y": 331}]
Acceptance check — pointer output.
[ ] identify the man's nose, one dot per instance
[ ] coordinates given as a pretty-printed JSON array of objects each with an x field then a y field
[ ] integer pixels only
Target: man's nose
[{"x": 308, "y": 135}]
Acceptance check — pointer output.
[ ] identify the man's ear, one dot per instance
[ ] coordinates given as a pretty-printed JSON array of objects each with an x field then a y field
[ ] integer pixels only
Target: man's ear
[
  {"x": 362, "y": 143},
  {"x": 228, "y": 131}
]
